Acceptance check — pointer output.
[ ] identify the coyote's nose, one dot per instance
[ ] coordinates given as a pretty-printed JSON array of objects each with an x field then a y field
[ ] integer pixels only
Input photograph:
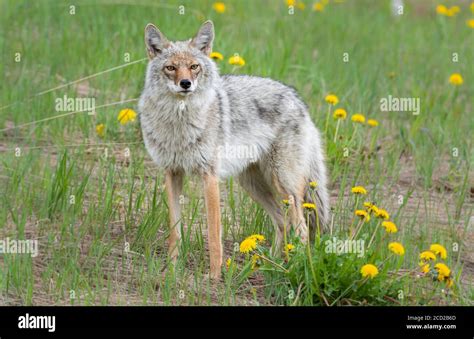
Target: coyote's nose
[{"x": 185, "y": 83}]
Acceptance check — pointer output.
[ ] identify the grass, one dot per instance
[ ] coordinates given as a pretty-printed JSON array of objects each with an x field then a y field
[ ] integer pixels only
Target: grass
[{"x": 97, "y": 205}]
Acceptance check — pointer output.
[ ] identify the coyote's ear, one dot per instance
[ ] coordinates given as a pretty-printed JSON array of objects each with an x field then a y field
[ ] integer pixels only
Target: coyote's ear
[
  {"x": 155, "y": 41},
  {"x": 205, "y": 36}
]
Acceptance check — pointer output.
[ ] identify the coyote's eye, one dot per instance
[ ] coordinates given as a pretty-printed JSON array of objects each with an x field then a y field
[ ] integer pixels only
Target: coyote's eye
[
  {"x": 194, "y": 67},
  {"x": 170, "y": 68}
]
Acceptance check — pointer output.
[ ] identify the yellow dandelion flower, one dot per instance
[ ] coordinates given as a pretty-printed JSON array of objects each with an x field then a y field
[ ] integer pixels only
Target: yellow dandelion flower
[
  {"x": 248, "y": 245},
  {"x": 289, "y": 248},
  {"x": 258, "y": 237},
  {"x": 456, "y": 79},
  {"x": 449, "y": 283},
  {"x": 453, "y": 10},
  {"x": 100, "y": 130},
  {"x": 427, "y": 256},
  {"x": 368, "y": 205},
  {"x": 359, "y": 118},
  {"x": 372, "y": 123},
  {"x": 340, "y": 113},
  {"x": 396, "y": 248},
  {"x": 382, "y": 214},
  {"x": 374, "y": 209},
  {"x": 219, "y": 7},
  {"x": 363, "y": 215},
  {"x": 313, "y": 184},
  {"x": 425, "y": 268},
  {"x": 237, "y": 60},
  {"x": 309, "y": 206},
  {"x": 443, "y": 271},
  {"x": 254, "y": 260},
  {"x": 228, "y": 262},
  {"x": 300, "y": 5},
  {"x": 441, "y": 9},
  {"x": 126, "y": 115},
  {"x": 369, "y": 270},
  {"x": 390, "y": 227},
  {"x": 290, "y": 2},
  {"x": 359, "y": 190},
  {"x": 439, "y": 250},
  {"x": 318, "y": 7},
  {"x": 216, "y": 56},
  {"x": 286, "y": 202},
  {"x": 331, "y": 99},
  {"x": 470, "y": 23}
]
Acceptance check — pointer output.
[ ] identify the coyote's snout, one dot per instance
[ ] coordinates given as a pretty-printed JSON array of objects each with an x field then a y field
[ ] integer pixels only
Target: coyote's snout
[{"x": 197, "y": 122}]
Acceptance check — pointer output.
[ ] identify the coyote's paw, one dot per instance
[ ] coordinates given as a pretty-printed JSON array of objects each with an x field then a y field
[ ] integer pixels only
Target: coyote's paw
[
  {"x": 215, "y": 274},
  {"x": 212, "y": 277},
  {"x": 173, "y": 254}
]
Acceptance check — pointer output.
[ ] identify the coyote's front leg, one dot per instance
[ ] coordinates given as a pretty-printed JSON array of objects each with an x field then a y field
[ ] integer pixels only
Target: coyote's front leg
[
  {"x": 212, "y": 200},
  {"x": 174, "y": 187}
]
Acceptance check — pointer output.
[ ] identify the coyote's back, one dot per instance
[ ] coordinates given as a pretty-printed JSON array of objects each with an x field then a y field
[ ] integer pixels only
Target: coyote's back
[{"x": 270, "y": 116}]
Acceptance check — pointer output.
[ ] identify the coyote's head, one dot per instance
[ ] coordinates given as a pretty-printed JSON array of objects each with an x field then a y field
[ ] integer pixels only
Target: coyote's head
[{"x": 180, "y": 67}]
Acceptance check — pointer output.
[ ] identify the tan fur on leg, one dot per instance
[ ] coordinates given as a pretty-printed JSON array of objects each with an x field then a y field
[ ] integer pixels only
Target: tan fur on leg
[
  {"x": 212, "y": 199},
  {"x": 174, "y": 186}
]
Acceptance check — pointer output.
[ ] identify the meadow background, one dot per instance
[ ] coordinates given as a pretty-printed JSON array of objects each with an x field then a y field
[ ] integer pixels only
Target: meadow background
[{"x": 108, "y": 247}]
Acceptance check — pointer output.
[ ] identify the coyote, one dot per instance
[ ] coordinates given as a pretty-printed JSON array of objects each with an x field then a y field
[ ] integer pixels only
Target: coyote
[{"x": 195, "y": 121}]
